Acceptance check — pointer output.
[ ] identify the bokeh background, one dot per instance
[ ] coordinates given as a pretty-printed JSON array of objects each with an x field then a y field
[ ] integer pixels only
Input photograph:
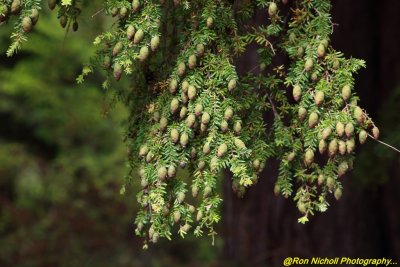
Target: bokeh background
[{"x": 62, "y": 162}]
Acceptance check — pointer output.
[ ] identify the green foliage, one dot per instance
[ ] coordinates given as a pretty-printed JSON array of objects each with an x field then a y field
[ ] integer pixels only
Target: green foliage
[
  {"x": 316, "y": 75},
  {"x": 190, "y": 109}
]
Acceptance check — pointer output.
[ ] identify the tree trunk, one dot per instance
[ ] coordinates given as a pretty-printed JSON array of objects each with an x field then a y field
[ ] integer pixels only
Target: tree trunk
[{"x": 262, "y": 230}]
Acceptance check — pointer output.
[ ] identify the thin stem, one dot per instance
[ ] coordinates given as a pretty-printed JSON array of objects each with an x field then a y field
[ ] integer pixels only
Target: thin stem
[
  {"x": 98, "y": 12},
  {"x": 272, "y": 48},
  {"x": 383, "y": 143},
  {"x": 273, "y": 106}
]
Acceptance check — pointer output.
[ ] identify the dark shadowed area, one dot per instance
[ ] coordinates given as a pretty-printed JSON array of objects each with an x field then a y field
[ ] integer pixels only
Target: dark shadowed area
[{"x": 263, "y": 230}]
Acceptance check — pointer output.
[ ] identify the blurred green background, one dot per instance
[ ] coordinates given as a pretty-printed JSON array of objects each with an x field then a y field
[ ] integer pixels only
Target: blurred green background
[
  {"x": 62, "y": 163},
  {"x": 62, "y": 160}
]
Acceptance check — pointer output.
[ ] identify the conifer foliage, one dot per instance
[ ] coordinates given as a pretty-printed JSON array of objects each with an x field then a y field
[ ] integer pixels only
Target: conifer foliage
[{"x": 189, "y": 108}]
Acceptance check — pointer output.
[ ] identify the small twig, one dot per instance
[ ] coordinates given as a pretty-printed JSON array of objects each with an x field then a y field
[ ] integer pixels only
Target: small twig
[
  {"x": 272, "y": 48},
  {"x": 98, "y": 12},
  {"x": 383, "y": 143},
  {"x": 255, "y": 67},
  {"x": 273, "y": 106},
  {"x": 346, "y": 108}
]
